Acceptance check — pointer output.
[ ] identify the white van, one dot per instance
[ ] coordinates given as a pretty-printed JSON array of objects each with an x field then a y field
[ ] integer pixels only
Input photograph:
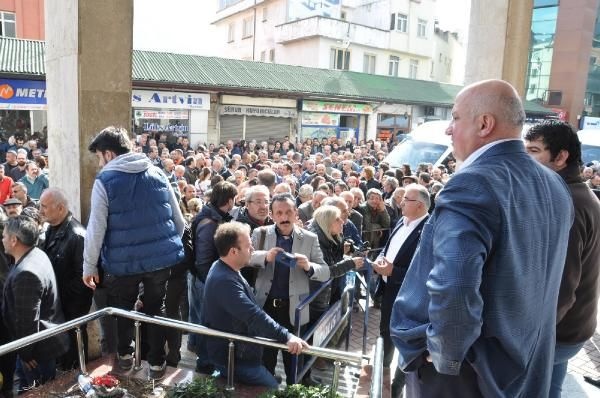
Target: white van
[
  {"x": 428, "y": 143},
  {"x": 590, "y": 145}
]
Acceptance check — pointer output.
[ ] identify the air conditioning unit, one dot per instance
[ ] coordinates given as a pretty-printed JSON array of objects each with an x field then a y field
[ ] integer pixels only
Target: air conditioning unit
[{"x": 553, "y": 98}]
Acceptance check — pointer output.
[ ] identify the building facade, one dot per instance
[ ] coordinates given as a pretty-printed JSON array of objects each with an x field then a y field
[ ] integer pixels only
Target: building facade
[{"x": 394, "y": 37}]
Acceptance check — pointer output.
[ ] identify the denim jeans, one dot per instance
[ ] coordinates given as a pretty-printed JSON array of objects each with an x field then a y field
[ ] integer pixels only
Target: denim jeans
[
  {"x": 256, "y": 375},
  {"x": 196, "y": 342},
  {"x": 28, "y": 378},
  {"x": 562, "y": 354}
]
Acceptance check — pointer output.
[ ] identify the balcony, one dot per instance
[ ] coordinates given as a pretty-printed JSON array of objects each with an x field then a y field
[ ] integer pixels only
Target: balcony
[{"x": 331, "y": 28}]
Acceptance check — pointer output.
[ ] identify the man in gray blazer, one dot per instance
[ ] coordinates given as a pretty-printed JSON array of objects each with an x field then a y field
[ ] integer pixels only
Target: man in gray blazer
[{"x": 279, "y": 287}]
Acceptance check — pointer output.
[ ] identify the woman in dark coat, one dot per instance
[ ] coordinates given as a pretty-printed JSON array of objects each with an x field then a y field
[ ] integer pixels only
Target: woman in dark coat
[{"x": 328, "y": 225}]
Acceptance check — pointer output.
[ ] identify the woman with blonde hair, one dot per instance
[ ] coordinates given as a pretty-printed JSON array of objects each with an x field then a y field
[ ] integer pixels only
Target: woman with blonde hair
[{"x": 328, "y": 224}]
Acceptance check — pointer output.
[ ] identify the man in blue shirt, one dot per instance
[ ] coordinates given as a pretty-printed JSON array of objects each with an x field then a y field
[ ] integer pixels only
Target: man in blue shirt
[
  {"x": 234, "y": 309},
  {"x": 476, "y": 314}
]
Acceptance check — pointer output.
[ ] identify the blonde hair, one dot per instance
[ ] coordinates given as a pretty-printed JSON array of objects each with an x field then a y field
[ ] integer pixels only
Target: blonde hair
[{"x": 325, "y": 216}]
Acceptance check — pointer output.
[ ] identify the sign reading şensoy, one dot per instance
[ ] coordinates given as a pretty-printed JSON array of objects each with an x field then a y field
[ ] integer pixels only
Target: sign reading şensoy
[
  {"x": 22, "y": 94},
  {"x": 169, "y": 100}
]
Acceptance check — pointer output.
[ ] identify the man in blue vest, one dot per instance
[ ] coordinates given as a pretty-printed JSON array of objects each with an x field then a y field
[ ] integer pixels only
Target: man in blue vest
[{"x": 135, "y": 227}]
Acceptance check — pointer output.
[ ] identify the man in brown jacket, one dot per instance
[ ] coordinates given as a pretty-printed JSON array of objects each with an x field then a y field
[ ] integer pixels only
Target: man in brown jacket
[{"x": 556, "y": 145}]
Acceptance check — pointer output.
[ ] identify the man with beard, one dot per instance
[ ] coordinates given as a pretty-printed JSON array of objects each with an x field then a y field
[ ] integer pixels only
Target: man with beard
[{"x": 19, "y": 171}]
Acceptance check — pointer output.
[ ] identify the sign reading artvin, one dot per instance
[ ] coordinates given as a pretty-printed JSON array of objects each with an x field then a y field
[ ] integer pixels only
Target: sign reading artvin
[
  {"x": 169, "y": 100},
  {"x": 22, "y": 94}
]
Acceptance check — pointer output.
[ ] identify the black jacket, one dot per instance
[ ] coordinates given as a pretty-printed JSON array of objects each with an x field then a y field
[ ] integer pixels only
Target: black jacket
[{"x": 63, "y": 245}]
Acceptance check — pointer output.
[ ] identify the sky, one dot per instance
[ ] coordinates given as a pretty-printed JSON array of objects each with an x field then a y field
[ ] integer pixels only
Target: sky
[{"x": 183, "y": 26}]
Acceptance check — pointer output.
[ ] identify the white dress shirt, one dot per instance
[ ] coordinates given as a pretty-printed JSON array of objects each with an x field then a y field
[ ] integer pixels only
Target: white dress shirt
[{"x": 398, "y": 238}]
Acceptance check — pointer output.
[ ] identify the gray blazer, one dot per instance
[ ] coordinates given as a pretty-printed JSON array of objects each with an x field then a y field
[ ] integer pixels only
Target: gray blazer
[{"x": 306, "y": 243}]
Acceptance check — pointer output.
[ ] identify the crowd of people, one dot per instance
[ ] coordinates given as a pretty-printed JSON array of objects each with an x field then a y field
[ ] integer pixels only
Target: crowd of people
[{"x": 469, "y": 255}]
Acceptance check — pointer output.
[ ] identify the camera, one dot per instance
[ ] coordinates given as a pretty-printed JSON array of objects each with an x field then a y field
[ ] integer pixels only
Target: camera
[
  {"x": 358, "y": 250},
  {"x": 287, "y": 259}
]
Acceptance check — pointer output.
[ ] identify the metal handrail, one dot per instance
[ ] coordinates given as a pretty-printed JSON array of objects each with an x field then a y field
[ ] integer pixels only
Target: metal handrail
[
  {"x": 336, "y": 355},
  {"x": 346, "y": 316},
  {"x": 376, "y": 389}
]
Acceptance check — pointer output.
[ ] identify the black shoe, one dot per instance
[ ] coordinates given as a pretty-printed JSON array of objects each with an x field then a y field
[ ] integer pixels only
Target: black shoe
[
  {"x": 592, "y": 380},
  {"x": 205, "y": 369},
  {"x": 157, "y": 372},
  {"x": 311, "y": 381}
]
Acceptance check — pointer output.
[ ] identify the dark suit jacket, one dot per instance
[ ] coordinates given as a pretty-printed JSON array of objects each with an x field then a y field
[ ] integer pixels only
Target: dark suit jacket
[
  {"x": 31, "y": 304},
  {"x": 401, "y": 261},
  {"x": 64, "y": 248}
]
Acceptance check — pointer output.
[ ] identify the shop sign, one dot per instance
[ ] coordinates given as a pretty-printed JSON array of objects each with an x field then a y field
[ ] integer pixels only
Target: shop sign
[
  {"x": 320, "y": 119},
  {"x": 169, "y": 100},
  {"x": 337, "y": 107},
  {"x": 171, "y": 128},
  {"x": 162, "y": 115},
  {"x": 258, "y": 111},
  {"x": 318, "y": 132},
  {"x": 22, "y": 94},
  {"x": 590, "y": 122}
]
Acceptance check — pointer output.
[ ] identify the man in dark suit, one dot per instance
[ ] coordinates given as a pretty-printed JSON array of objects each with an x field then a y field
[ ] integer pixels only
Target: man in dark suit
[
  {"x": 476, "y": 314},
  {"x": 393, "y": 263},
  {"x": 234, "y": 309},
  {"x": 31, "y": 303}
]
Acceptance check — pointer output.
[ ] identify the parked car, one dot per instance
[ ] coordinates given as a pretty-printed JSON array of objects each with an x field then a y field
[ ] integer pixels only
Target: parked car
[
  {"x": 590, "y": 145},
  {"x": 428, "y": 143}
]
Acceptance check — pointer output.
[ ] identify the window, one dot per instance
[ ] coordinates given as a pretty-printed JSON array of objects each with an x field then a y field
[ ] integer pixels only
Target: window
[
  {"x": 343, "y": 15},
  {"x": 402, "y": 23},
  {"x": 231, "y": 33},
  {"x": 265, "y": 14},
  {"x": 369, "y": 63},
  {"x": 248, "y": 28},
  {"x": 263, "y": 56},
  {"x": 413, "y": 70},
  {"x": 272, "y": 55},
  {"x": 226, "y": 3},
  {"x": 422, "y": 28},
  {"x": 340, "y": 59},
  {"x": 393, "y": 66},
  {"x": 7, "y": 24}
]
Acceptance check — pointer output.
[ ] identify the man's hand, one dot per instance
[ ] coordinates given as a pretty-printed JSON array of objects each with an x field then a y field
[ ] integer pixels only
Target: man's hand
[
  {"x": 302, "y": 262},
  {"x": 30, "y": 364},
  {"x": 358, "y": 262},
  {"x": 296, "y": 345},
  {"x": 381, "y": 206},
  {"x": 272, "y": 253},
  {"x": 91, "y": 280},
  {"x": 383, "y": 267}
]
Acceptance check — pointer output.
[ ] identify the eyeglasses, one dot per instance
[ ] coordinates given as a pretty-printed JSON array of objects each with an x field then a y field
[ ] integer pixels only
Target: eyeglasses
[
  {"x": 409, "y": 200},
  {"x": 260, "y": 202}
]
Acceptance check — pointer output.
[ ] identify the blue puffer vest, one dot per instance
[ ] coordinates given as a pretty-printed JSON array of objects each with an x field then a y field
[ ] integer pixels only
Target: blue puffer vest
[{"x": 140, "y": 235}]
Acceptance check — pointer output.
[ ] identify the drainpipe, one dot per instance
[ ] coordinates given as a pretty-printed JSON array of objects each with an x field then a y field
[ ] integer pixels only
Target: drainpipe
[{"x": 254, "y": 35}]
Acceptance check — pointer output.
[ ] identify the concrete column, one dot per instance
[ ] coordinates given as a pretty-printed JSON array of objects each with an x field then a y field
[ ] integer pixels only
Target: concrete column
[
  {"x": 88, "y": 77},
  {"x": 499, "y": 35}
]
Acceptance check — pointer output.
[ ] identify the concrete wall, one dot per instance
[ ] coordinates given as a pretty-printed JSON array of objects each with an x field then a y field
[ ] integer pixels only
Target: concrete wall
[
  {"x": 499, "y": 41},
  {"x": 88, "y": 78}
]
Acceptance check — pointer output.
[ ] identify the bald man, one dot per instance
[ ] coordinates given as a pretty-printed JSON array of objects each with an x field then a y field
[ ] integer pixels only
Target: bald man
[{"x": 476, "y": 314}]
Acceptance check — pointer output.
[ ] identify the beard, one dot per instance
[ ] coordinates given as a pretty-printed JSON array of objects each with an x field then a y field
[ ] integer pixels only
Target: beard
[{"x": 21, "y": 163}]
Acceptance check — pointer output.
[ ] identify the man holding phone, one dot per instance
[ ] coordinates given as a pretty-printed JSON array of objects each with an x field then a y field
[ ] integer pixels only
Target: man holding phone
[{"x": 282, "y": 281}]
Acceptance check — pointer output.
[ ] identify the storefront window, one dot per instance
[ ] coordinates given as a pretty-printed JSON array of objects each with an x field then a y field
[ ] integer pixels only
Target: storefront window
[
  {"x": 592, "y": 97},
  {"x": 543, "y": 28},
  {"x": 13, "y": 122}
]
